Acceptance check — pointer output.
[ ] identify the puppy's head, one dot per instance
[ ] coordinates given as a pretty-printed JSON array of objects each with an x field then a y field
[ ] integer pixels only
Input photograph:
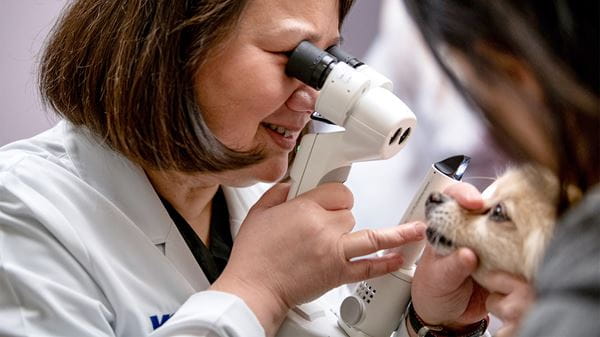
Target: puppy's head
[{"x": 512, "y": 231}]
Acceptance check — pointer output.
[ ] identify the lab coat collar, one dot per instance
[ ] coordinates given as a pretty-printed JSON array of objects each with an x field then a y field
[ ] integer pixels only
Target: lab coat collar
[
  {"x": 126, "y": 185},
  {"x": 119, "y": 180}
]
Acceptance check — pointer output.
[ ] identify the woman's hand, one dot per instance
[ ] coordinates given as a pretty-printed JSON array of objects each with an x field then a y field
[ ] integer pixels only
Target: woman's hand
[
  {"x": 289, "y": 252},
  {"x": 443, "y": 293},
  {"x": 510, "y": 298}
]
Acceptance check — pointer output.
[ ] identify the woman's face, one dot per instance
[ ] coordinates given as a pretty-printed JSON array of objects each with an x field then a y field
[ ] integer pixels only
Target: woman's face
[{"x": 246, "y": 98}]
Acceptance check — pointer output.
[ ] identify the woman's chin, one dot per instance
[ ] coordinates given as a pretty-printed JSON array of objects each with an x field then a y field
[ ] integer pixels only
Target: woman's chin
[
  {"x": 272, "y": 170},
  {"x": 268, "y": 171}
]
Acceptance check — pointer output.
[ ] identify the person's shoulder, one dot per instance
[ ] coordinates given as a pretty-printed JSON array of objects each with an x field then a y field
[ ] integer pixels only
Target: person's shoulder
[
  {"x": 582, "y": 222},
  {"x": 45, "y": 148},
  {"x": 572, "y": 258},
  {"x": 568, "y": 283},
  {"x": 37, "y": 164}
]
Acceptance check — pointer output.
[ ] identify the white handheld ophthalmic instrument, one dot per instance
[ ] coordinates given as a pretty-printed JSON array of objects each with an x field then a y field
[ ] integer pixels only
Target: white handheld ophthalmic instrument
[
  {"x": 362, "y": 120},
  {"x": 372, "y": 122}
]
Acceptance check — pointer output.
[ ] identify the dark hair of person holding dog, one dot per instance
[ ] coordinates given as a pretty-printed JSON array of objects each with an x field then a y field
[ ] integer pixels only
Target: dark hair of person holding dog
[
  {"x": 532, "y": 70},
  {"x": 119, "y": 221}
]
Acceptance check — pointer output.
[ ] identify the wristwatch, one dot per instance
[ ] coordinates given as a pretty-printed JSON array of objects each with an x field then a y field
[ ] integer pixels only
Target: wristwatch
[{"x": 424, "y": 330}]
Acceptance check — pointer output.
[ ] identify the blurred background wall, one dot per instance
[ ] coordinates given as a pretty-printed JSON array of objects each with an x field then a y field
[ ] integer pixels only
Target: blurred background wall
[
  {"x": 379, "y": 31},
  {"x": 24, "y": 25}
]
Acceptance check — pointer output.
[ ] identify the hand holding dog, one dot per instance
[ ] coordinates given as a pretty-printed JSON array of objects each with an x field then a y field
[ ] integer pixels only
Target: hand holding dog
[
  {"x": 510, "y": 298},
  {"x": 443, "y": 293}
]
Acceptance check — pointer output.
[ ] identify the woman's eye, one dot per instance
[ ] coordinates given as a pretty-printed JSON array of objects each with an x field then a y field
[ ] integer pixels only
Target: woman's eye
[
  {"x": 285, "y": 54},
  {"x": 328, "y": 49},
  {"x": 288, "y": 53},
  {"x": 498, "y": 213}
]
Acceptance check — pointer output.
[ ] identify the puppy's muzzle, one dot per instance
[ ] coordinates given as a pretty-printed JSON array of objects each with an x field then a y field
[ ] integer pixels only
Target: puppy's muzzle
[
  {"x": 435, "y": 199},
  {"x": 436, "y": 238}
]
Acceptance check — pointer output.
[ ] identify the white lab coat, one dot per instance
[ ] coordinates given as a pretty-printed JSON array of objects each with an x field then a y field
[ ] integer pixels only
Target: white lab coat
[
  {"x": 79, "y": 230},
  {"x": 87, "y": 249}
]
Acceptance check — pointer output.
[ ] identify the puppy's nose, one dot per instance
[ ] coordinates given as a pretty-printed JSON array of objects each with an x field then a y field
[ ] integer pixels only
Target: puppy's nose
[{"x": 436, "y": 198}]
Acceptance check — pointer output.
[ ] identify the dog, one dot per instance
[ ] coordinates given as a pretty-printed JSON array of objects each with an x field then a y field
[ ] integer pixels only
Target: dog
[{"x": 511, "y": 233}]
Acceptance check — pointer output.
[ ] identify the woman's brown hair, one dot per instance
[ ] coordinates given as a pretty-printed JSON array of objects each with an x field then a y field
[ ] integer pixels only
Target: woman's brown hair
[{"x": 124, "y": 68}]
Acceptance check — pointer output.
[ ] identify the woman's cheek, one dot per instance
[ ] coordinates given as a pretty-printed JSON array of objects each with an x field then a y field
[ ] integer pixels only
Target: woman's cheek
[{"x": 277, "y": 89}]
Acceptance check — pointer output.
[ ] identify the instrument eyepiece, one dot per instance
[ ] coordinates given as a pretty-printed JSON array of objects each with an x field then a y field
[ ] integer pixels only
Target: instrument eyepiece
[{"x": 310, "y": 64}]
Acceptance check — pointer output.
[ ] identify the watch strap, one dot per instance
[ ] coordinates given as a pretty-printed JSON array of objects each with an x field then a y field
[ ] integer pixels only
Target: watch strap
[{"x": 424, "y": 330}]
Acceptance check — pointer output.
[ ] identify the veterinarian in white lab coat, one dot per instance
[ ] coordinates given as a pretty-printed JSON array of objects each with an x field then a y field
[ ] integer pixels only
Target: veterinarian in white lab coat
[
  {"x": 532, "y": 69},
  {"x": 120, "y": 220}
]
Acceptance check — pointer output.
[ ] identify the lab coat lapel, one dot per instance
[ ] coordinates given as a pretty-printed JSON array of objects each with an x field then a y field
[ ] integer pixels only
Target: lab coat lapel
[
  {"x": 182, "y": 258},
  {"x": 120, "y": 181},
  {"x": 127, "y": 186}
]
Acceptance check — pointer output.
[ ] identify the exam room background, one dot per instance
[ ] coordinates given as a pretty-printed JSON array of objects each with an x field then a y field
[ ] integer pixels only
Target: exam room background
[
  {"x": 24, "y": 25},
  {"x": 378, "y": 31}
]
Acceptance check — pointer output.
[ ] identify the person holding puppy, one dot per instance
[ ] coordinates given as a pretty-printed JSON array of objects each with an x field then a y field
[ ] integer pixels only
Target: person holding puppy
[
  {"x": 121, "y": 220},
  {"x": 532, "y": 69}
]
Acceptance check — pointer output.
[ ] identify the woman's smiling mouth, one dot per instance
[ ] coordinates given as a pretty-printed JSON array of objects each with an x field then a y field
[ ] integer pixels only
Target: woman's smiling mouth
[
  {"x": 284, "y": 138},
  {"x": 279, "y": 129}
]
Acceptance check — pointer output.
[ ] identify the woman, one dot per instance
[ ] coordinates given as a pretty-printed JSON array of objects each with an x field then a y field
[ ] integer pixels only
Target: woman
[
  {"x": 119, "y": 221},
  {"x": 532, "y": 67}
]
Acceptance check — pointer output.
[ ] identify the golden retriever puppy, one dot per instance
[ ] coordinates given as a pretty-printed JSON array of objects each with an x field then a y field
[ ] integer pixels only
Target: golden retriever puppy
[{"x": 512, "y": 231}]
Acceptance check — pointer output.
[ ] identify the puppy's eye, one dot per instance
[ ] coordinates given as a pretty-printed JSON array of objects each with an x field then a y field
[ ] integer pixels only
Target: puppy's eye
[{"x": 498, "y": 213}]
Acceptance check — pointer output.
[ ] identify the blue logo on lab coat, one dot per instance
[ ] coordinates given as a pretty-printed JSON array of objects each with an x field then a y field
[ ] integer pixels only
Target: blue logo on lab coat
[{"x": 157, "y": 322}]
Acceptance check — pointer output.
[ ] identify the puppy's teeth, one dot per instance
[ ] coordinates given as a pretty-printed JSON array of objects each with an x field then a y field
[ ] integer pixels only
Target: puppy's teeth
[
  {"x": 287, "y": 134},
  {"x": 281, "y": 129}
]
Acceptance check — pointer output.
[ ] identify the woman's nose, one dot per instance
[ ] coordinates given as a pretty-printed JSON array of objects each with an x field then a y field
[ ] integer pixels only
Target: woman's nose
[{"x": 303, "y": 99}]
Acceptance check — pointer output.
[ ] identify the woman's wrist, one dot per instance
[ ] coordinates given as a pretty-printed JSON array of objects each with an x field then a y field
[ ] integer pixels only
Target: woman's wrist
[
  {"x": 270, "y": 310},
  {"x": 418, "y": 328}
]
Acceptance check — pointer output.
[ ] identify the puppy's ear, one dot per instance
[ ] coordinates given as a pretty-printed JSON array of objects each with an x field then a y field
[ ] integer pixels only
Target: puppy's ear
[{"x": 534, "y": 248}]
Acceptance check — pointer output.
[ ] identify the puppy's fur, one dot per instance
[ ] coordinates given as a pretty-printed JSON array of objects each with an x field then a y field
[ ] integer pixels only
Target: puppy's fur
[{"x": 511, "y": 233}]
